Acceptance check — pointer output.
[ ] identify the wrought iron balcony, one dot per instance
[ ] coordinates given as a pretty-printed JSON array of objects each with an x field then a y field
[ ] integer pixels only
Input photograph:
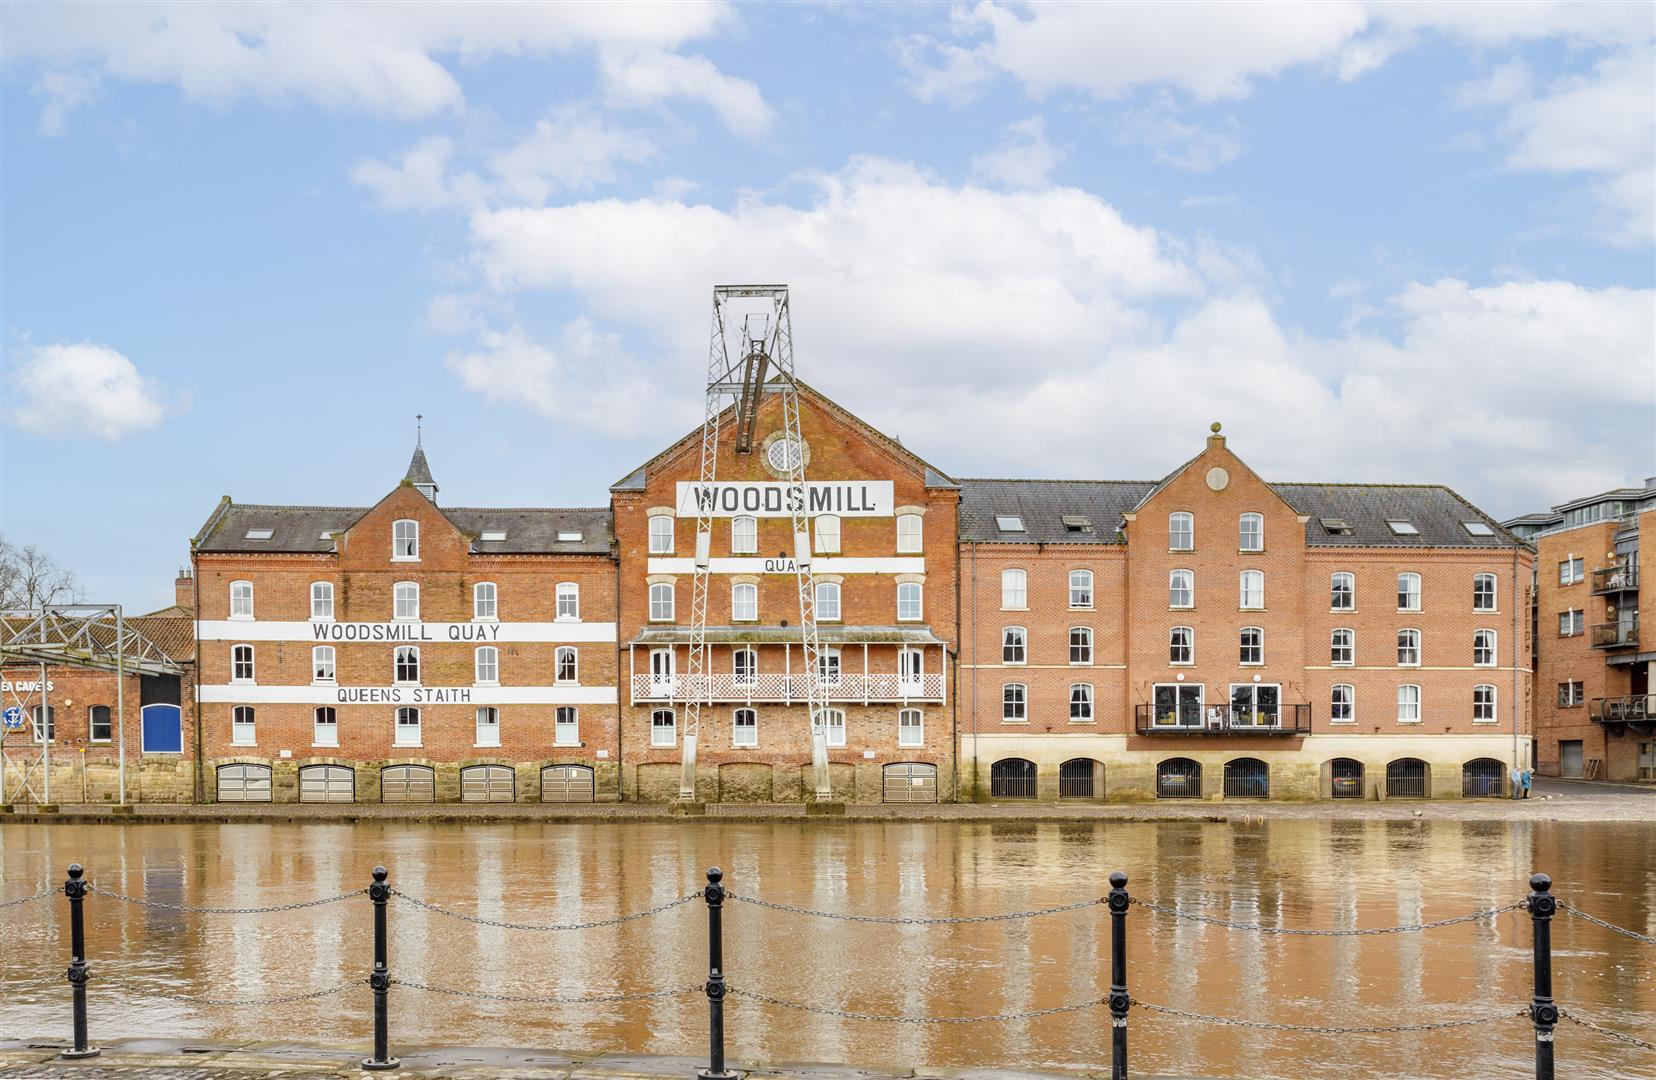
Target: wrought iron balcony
[
  {"x": 1618, "y": 710},
  {"x": 787, "y": 689},
  {"x": 1616, "y": 579},
  {"x": 1196, "y": 719},
  {"x": 1616, "y": 635}
]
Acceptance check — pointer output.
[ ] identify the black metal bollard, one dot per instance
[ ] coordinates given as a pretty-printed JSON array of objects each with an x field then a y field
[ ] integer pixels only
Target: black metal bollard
[
  {"x": 1543, "y": 1011},
  {"x": 75, "y": 889},
  {"x": 714, "y": 895},
  {"x": 1119, "y": 1001},
  {"x": 379, "y": 892}
]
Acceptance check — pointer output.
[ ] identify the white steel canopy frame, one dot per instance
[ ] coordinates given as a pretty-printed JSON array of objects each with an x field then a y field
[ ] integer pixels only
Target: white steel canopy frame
[{"x": 764, "y": 364}]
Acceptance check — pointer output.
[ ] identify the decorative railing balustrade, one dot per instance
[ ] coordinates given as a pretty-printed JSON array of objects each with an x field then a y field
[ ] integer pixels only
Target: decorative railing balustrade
[
  {"x": 787, "y": 689},
  {"x": 1196, "y": 718},
  {"x": 1542, "y": 1010}
]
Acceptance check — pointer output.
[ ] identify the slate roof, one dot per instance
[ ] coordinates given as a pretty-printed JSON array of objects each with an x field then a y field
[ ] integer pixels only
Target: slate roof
[
  {"x": 1436, "y": 511},
  {"x": 418, "y": 471},
  {"x": 299, "y": 529}
]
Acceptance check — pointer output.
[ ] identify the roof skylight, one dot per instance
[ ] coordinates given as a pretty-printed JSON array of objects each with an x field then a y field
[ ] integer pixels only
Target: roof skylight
[
  {"x": 1009, "y": 523},
  {"x": 1478, "y": 528},
  {"x": 1077, "y": 523},
  {"x": 570, "y": 537},
  {"x": 1336, "y": 526},
  {"x": 1402, "y": 528},
  {"x": 260, "y": 534},
  {"x": 494, "y": 534}
]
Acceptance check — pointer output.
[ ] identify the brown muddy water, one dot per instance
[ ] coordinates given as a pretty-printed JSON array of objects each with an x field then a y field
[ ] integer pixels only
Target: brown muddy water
[{"x": 1315, "y": 874}]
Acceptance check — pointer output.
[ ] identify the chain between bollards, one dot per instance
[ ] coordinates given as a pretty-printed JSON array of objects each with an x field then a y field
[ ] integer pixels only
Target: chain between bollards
[
  {"x": 1119, "y": 999},
  {"x": 379, "y": 892},
  {"x": 714, "y": 894},
  {"x": 75, "y": 889},
  {"x": 1543, "y": 1010}
]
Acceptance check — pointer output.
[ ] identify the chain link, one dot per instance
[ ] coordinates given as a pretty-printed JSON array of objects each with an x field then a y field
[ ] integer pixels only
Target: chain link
[
  {"x": 1622, "y": 930},
  {"x": 145, "y": 902},
  {"x": 50, "y": 890},
  {"x": 878, "y": 1018},
  {"x": 1321, "y": 1029},
  {"x": 33, "y": 984},
  {"x": 904, "y": 920},
  {"x": 527, "y": 999},
  {"x": 283, "y": 999},
  {"x": 1367, "y": 932},
  {"x": 1629, "y": 1039},
  {"x": 405, "y": 898}
]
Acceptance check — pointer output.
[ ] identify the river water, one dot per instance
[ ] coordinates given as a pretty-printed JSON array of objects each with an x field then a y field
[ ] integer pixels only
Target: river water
[{"x": 1289, "y": 873}]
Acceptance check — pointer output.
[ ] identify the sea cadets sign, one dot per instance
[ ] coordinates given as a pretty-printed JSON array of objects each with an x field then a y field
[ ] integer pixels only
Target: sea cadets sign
[{"x": 846, "y": 498}]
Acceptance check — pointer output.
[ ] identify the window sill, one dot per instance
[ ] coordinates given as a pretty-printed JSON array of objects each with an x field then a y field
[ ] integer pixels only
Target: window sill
[
  {"x": 1485, "y": 723},
  {"x": 322, "y": 618},
  {"x": 1342, "y": 723},
  {"x": 241, "y": 618},
  {"x": 405, "y": 558},
  {"x": 663, "y": 746},
  {"x": 491, "y": 682},
  {"x": 1342, "y": 663},
  {"x": 1408, "y": 611},
  {"x": 1082, "y": 607},
  {"x": 324, "y": 682},
  {"x": 1004, "y": 720},
  {"x": 324, "y": 746},
  {"x": 487, "y": 620},
  {"x": 577, "y": 618},
  {"x": 1412, "y": 666},
  {"x": 1075, "y": 721},
  {"x": 1080, "y": 663},
  {"x": 661, "y": 621},
  {"x": 1024, "y": 608},
  {"x": 243, "y": 745},
  {"x": 243, "y": 682},
  {"x": 1408, "y": 721},
  {"x": 1342, "y": 611},
  {"x": 486, "y": 746}
]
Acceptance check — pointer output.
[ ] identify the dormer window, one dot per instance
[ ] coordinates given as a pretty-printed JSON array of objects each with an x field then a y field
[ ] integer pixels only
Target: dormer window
[
  {"x": 1402, "y": 528},
  {"x": 1009, "y": 523},
  {"x": 405, "y": 541}
]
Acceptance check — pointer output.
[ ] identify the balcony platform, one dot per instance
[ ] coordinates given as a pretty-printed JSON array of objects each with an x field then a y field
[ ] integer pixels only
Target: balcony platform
[{"x": 1288, "y": 720}]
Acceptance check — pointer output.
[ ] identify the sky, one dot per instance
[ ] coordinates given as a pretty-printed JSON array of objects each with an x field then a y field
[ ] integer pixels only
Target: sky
[{"x": 245, "y": 244}]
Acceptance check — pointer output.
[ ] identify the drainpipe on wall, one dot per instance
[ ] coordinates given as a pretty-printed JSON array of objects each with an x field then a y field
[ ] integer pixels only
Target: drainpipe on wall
[
  {"x": 1517, "y": 640},
  {"x": 974, "y": 674},
  {"x": 195, "y": 676},
  {"x": 615, "y": 558}
]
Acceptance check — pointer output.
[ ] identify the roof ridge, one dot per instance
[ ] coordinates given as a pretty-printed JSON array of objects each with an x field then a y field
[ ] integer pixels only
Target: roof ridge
[
  {"x": 295, "y": 506},
  {"x": 1041, "y": 480},
  {"x": 547, "y": 509},
  {"x": 1355, "y": 484}
]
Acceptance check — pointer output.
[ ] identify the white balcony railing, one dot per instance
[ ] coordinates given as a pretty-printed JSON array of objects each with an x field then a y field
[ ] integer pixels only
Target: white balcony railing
[{"x": 786, "y": 688}]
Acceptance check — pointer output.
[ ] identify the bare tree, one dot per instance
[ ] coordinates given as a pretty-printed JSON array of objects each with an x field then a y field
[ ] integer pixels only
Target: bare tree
[{"x": 30, "y": 578}]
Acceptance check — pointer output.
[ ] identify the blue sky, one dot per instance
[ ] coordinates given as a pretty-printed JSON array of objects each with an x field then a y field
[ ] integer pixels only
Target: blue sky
[{"x": 245, "y": 244}]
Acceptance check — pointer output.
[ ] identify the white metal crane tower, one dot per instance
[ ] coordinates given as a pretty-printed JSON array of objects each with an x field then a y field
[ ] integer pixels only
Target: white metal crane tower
[{"x": 764, "y": 364}]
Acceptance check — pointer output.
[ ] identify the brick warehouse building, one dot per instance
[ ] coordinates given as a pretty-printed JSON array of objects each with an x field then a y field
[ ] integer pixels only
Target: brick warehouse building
[{"x": 1594, "y": 713}]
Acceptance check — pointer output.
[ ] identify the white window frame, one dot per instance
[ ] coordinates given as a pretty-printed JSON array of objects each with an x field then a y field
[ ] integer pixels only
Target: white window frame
[
  {"x": 1081, "y": 697},
  {"x": 830, "y": 666},
  {"x": 486, "y": 726},
  {"x": 559, "y": 655},
  {"x": 1405, "y": 649},
  {"x": 657, "y": 728},
  {"x": 1335, "y": 580},
  {"x": 738, "y": 677},
  {"x": 911, "y": 671},
  {"x": 1189, "y": 646},
  {"x": 833, "y": 726},
  {"x": 237, "y": 663},
  {"x": 744, "y": 535},
  {"x": 1251, "y": 599},
  {"x": 567, "y": 598},
  {"x": 405, "y": 598},
  {"x": 1181, "y": 582},
  {"x": 911, "y": 728},
  {"x": 1575, "y": 693},
  {"x": 910, "y": 601},
  {"x": 486, "y": 666},
  {"x": 663, "y": 669},
  {"x": 911, "y": 534},
  {"x": 661, "y": 534},
  {"x": 485, "y": 602},
  {"x": 1081, "y": 640},
  {"x": 44, "y": 723},
  {"x": 405, "y": 542},
  {"x": 1408, "y": 704},
  {"x": 324, "y": 733},
  {"x": 322, "y": 601},
  {"x": 1486, "y": 600},
  {"x": 241, "y": 600},
  {"x": 662, "y": 598},
  {"x": 1014, "y": 589},
  {"x": 244, "y": 732},
  {"x": 1485, "y": 690},
  {"x": 744, "y": 736},
  {"x": 398, "y": 663},
  {"x": 744, "y": 602},
  {"x": 1349, "y": 703},
  {"x": 1571, "y": 571},
  {"x": 1181, "y": 531},
  {"x": 92, "y": 724},
  {"x": 1242, "y": 646},
  {"x": 1242, "y": 532},
  {"x": 827, "y": 534},
  {"x": 1485, "y": 640},
  {"x": 403, "y": 733},
  {"x": 828, "y": 601},
  {"x": 566, "y": 726},
  {"x": 1408, "y": 591},
  {"x": 1342, "y": 647},
  {"x": 1080, "y": 590},
  {"x": 324, "y": 665},
  {"x": 1572, "y": 622},
  {"x": 1014, "y": 703},
  {"x": 1021, "y": 645}
]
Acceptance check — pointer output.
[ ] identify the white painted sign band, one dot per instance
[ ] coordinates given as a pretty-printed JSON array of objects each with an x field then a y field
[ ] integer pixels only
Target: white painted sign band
[
  {"x": 248, "y": 694},
  {"x": 847, "y": 498},
  {"x": 413, "y": 633},
  {"x": 821, "y": 565}
]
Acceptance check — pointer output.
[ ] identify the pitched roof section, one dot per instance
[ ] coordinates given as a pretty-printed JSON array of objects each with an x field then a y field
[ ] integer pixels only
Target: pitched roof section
[
  {"x": 236, "y": 528},
  {"x": 1437, "y": 513},
  {"x": 418, "y": 471}
]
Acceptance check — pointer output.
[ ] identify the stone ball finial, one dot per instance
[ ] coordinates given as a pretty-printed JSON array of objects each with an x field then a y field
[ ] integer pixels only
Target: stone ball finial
[{"x": 1215, "y": 427}]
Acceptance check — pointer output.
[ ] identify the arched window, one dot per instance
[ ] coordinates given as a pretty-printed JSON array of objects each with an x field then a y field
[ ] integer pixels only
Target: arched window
[
  {"x": 744, "y": 535},
  {"x": 1408, "y": 648},
  {"x": 1014, "y": 702},
  {"x": 1251, "y": 532},
  {"x": 566, "y": 664},
  {"x": 1342, "y": 647},
  {"x": 1343, "y": 592},
  {"x": 1483, "y": 704},
  {"x": 1342, "y": 703},
  {"x": 1014, "y": 590},
  {"x": 45, "y": 723},
  {"x": 1252, "y": 589},
  {"x": 405, "y": 601},
  {"x": 405, "y": 540},
  {"x": 1251, "y": 645},
  {"x": 661, "y": 602},
  {"x": 1014, "y": 645},
  {"x": 1081, "y": 588},
  {"x": 1181, "y": 589},
  {"x": 908, "y": 601},
  {"x": 744, "y": 728},
  {"x": 828, "y": 601},
  {"x": 828, "y": 534},
  {"x": 241, "y": 599},
  {"x": 486, "y": 666},
  {"x": 1483, "y": 592},
  {"x": 322, "y": 664},
  {"x": 744, "y": 667},
  {"x": 1179, "y": 778},
  {"x": 1081, "y": 703},
  {"x": 744, "y": 602},
  {"x": 242, "y": 731},
  {"x": 1181, "y": 531},
  {"x": 833, "y": 725},
  {"x": 1483, "y": 648},
  {"x": 1408, "y": 704},
  {"x": 1407, "y": 778},
  {"x": 488, "y": 726},
  {"x": 1080, "y": 645},
  {"x": 1247, "y": 778},
  {"x": 569, "y": 602},
  {"x": 661, "y": 534},
  {"x": 1483, "y": 779},
  {"x": 910, "y": 534},
  {"x": 1181, "y": 645},
  {"x": 1408, "y": 592},
  {"x": 484, "y": 606},
  {"x": 1012, "y": 778},
  {"x": 405, "y": 664},
  {"x": 1078, "y": 778},
  {"x": 662, "y": 730},
  {"x": 1345, "y": 778},
  {"x": 99, "y": 725},
  {"x": 407, "y": 731},
  {"x": 322, "y": 605},
  {"x": 911, "y": 728},
  {"x": 241, "y": 663},
  {"x": 828, "y": 666},
  {"x": 325, "y": 727}
]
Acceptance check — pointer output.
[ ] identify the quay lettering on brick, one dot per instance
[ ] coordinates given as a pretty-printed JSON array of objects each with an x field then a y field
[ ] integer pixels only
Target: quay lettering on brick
[
  {"x": 846, "y": 498},
  {"x": 394, "y": 632},
  {"x": 404, "y": 695}
]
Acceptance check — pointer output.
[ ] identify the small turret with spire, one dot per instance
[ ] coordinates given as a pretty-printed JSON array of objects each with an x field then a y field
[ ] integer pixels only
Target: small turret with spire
[{"x": 419, "y": 473}]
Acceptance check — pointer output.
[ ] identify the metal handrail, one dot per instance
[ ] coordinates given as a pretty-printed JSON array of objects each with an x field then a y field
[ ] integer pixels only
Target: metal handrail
[
  {"x": 1289, "y": 718},
  {"x": 1612, "y": 635},
  {"x": 1626, "y": 707},
  {"x": 1618, "y": 578}
]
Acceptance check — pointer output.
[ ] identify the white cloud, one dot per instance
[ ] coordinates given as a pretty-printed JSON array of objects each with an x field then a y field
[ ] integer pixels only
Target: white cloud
[
  {"x": 1508, "y": 83},
  {"x": 63, "y": 92},
  {"x": 75, "y": 391},
  {"x": 570, "y": 150},
  {"x": 1177, "y": 142},
  {"x": 1024, "y": 158},
  {"x": 646, "y": 77},
  {"x": 378, "y": 57},
  {"x": 419, "y": 179}
]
